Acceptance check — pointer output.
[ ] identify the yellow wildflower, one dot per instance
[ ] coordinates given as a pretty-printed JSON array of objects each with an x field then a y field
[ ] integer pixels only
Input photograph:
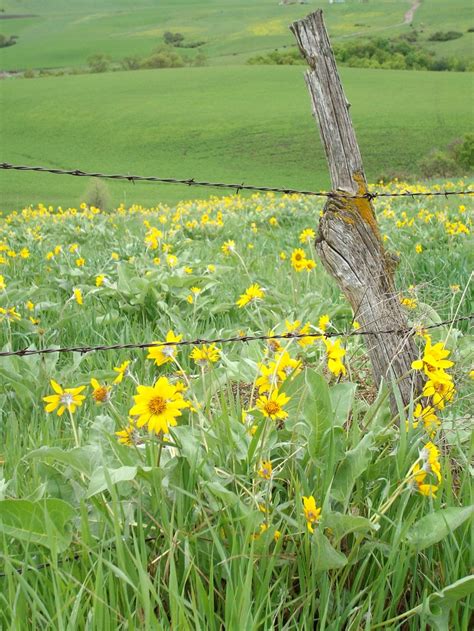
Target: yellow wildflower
[
  {"x": 228, "y": 247},
  {"x": 9, "y": 314},
  {"x": 265, "y": 470},
  {"x": 158, "y": 406},
  {"x": 128, "y": 436},
  {"x": 298, "y": 259},
  {"x": 272, "y": 406},
  {"x": 64, "y": 399},
  {"x": 99, "y": 280},
  {"x": 77, "y": 295},
  {"x": 427, "y": 416},
  {"x": 323, "y": 322},
  {"x": 434, "y": 358},
  {"x": 205, "y": 355},
  {"x": 409, "y": 303},
  {"x": 100, "y": 393},
  {"x": 122, "y": 371},
  {"x": 334, "y": 355},
  {"x": 440, "y": 388},
  {"x": 253, "y": 293},
  {"x": 164, "y": 354},
  {"x": 307, "y": 236},
  {"x": 311, "y": 512}
]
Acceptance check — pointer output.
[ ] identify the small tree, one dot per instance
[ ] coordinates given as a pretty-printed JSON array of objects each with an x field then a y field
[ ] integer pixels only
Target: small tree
[
  {"x": 173, "y": 39},
  {"x": 99, "y": 62}
]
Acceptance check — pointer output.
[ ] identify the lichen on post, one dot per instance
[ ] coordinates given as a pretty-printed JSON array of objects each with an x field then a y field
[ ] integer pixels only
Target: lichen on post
[{"x": 349, "y": 241}]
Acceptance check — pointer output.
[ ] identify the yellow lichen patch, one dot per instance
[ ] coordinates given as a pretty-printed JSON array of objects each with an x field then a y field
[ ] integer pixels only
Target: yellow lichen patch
[{"x": 364, "y": 205}]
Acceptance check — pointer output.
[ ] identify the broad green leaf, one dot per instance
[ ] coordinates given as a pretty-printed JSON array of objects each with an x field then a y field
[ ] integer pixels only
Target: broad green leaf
[
  {"x": 441, "y": 603},
  {"x": 104, "y": 476},
  {"x": 342, "y": 525},
  {"x": 352, "y": 466},
  {"x": 342, "y": 399},
  {"x": 317, "y": 410},
  {"x": 434, "y": 527},
  {"x": 327, "y": 558},
  {"x": 83, "y": 459},
  {"x": 218, "y": 490},
  {"x": 44, "y": 522}
]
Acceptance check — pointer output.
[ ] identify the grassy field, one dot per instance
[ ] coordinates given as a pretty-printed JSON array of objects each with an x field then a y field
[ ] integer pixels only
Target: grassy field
[
  {"x": 64, "y": 33},
  {"x": 239, "y": 486},
  {"x": 212, "y": 525},
  {"x": 250, "y": 123}
]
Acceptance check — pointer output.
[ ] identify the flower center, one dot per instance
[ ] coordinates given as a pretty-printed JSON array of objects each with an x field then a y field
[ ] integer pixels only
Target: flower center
[
  {"x": 157, "y": 405},
  {"x": 168, "y": 351},
  {"x": 67, "y": 399},
  {"x": 271, "y": 407},
  {"x": 310, "y": 516},
  {"x": 100, "y": 394}
]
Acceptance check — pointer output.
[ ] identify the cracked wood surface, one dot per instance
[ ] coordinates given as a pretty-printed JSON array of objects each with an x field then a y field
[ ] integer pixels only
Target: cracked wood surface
[{"x": 349, "y": 242}]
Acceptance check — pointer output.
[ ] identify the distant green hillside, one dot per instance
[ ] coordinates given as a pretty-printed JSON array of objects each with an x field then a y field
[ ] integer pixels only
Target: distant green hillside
[
  {"x": 64, "y": 33},
  {"x": 250, "y": 123}
]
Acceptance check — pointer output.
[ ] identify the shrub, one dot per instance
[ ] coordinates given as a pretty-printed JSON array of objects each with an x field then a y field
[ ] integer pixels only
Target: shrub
[
  {"x": 29, "y": 74},
  {"x": 163, "y": 60},
  {"x": 99, "y": 62},
  {"x": 280, "y": 58},
  {"x": 97, "y": 194},
  {"x": 200, "y": 59},
  {"x": 464, "y": 152},
  {"x": 438, "y": 164},
  {"x": 444, "y": 36},
  {"x": 7, "y": 40},
  {"x": 130, "y": 63}
]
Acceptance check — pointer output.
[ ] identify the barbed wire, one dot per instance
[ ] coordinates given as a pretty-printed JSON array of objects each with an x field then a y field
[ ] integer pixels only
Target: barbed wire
[
  {"x": 236, "y": 187},
  {"x": 227, "y": 340}
]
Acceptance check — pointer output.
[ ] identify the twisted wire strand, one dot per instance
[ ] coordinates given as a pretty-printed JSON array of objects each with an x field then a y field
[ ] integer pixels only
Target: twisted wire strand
[
  {"x": 236, "y": 187},
  {"x": 24, "y": 352}
]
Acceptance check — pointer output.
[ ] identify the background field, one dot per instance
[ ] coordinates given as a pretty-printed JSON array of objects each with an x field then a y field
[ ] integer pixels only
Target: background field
[
  {"x": 221, "y": 122},
  {"x": 65, "y": 33},
  {"x": 252, "y": 123}
]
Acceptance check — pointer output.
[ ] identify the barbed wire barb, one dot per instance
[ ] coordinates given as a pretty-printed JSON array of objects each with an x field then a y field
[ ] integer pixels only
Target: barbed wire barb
[
  {"x": 237, "y": 187},
  {"x": 25, "y": 352}
]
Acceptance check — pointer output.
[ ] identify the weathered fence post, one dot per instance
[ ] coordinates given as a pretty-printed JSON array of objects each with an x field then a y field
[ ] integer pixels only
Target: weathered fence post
[{"x": 349, "y": 242}]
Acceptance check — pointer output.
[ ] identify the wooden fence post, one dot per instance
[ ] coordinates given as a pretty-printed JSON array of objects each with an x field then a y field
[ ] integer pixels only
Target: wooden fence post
[{"x": 349, "y": 241}]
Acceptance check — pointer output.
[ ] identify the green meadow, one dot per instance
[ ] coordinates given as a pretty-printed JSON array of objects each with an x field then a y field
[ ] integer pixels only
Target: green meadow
[
  {"x": 338, "y": 514},
  {"x": 265, "y": 485},
  {"x": 251, "y": 124}
]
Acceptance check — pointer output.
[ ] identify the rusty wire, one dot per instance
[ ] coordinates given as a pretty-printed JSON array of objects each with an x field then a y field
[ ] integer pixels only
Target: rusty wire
[
  {"x": 236, "y": 187},
  {"x": 24, "y": 352}
]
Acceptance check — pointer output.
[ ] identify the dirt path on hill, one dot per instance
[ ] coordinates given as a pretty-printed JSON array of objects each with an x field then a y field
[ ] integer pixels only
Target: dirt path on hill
[{"x": 410, "y": 14}]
